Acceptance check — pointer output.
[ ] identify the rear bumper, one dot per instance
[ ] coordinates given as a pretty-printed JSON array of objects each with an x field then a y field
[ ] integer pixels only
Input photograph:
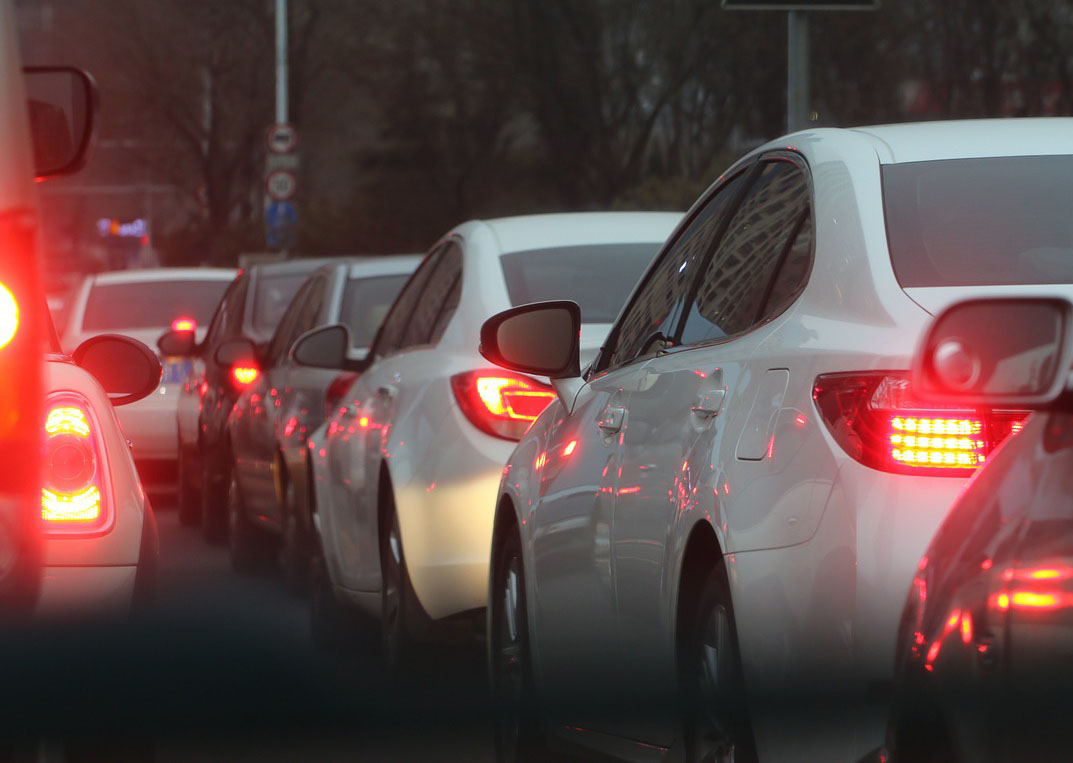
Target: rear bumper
[{"x": 82, "y": 591}]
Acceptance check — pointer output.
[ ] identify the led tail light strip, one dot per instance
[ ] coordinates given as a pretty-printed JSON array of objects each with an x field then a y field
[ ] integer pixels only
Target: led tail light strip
[
  {"x": 73, "y": 498},
  {"x": 501, "y": 403}
]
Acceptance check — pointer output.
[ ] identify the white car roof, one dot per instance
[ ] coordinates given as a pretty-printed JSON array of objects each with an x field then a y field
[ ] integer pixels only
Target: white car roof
[
  {"x": 165, "y": 274},
  {"x": 528, "y": 232},
  {"x": 388, "y": 265}
]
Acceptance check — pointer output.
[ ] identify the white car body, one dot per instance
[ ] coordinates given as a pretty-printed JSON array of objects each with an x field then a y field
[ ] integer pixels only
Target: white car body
[
  {"x": 402, "y": 420},
  {"x": 150, "y": 423},
  {"x": 819, "y": 548}
]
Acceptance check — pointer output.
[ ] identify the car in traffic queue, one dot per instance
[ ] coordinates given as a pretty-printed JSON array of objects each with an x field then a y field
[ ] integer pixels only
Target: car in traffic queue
[
  {"x": 985, "y": 642},
  {"x": 406, "y": 468},
  {"x": 272, "y": 418},
  {"x": 722, "y": 515},
  {"x": 251, "y": 308},
  {"x": 144, "y": 304}
]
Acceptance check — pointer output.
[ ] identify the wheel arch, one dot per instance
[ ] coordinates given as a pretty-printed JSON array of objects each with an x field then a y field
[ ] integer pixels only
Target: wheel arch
[{"x": 702, "y": 551}]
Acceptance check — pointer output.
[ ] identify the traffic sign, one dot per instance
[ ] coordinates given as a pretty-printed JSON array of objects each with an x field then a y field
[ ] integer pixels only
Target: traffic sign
[
  {"x": 281, "y": 185},
  {"x": 281, "y": 219},
  {"x": 282, "y": 138}
]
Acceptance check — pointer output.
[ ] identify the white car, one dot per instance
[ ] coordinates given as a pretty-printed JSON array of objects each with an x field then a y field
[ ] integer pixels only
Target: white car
[
  {"x": 731, "y": 503},
  {"x": 144, "y": 304},
  {"x": 406, "y": 472}
]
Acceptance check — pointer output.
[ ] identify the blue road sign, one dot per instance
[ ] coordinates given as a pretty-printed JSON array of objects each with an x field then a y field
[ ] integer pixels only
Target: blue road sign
[{"x": 281, "y": 217}]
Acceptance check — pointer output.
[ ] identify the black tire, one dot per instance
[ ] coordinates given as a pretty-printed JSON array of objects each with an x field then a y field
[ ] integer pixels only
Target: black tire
[
  {"x": 330, "y": 623},
  {"x": 214, "y": 505},
  {"x": 517, "y": 729},
  {"x": 295, "y": 555},
  {"x": 714, "y": 714},
  {"x": 397, "y": 600},
  {"x": 247, "y": 546},
  {"x": 189, "y": 501}
]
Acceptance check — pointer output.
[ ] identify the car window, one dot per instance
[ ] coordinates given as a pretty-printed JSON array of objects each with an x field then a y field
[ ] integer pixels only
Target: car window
[
  {"x": 737, "y": 282},
  {"x": 438, "y": 287},
  {"x": 221, "y": 321},
  {"x": 150, "y": 304},
  {"x": 284, "y": 335},
  {"x": 395, "y": 325},
  {"x": 652, "y": 317},
  {"x": 274, "y": 293},
  {"x": 309, "y": 315},
  {"x": 365, "y": 303}
]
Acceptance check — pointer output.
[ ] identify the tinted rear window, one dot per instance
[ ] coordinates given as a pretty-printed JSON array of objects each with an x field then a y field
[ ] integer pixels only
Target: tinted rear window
[
  {"x": 975, "y": 222},
  {"x": 150, "y": 304},
  {"x": 365, "y": 303},
  {"x": 274, "y": 293},
  {"x": 598, "y": 277}
]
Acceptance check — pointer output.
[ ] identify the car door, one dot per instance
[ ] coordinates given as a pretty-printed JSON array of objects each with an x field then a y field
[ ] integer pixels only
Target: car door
[
  {"x": 683, "y": 417},
  {"x": 570, "y": 530},
  {"x": 216, "y": 400},
  {"x": 355, "y": 455}
]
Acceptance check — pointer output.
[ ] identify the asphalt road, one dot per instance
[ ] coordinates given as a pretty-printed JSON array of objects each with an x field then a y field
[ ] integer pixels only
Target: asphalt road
[{"x": 222, "y": 667}]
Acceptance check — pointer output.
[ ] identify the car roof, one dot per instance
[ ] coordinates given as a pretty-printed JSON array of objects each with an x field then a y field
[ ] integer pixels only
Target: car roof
[
  {"x": 387, "y": 265},
  {"x": 290, "y": 267},
  {"x": 164, "y": 274},
  {"x": 529, "y": 232},
  {"x": 961, "y": 139}
]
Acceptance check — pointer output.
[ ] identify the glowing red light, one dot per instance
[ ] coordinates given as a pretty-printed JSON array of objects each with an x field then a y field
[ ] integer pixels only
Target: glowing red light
[
  {"x": 245, "y": 375},
  {"x": 183, "y": 324},
  {"x": 570, "y": 448},
  {"x": 629, "y": 490},
  {"x": 9, "y": 316},
  {"x": 966, "y": 628}
]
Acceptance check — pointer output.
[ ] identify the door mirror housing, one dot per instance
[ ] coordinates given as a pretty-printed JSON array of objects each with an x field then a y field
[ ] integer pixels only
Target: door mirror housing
[
  {"x": 62, "y": 103},
  {"x": 539, "y": 338},
  {"x": 324, "y": 347},
  {"x": 177, "y": 343},
  {"x": 125, "y": 368},
  {"x": 235, "y": 351},
  {"x": 1002, "y": 352}
]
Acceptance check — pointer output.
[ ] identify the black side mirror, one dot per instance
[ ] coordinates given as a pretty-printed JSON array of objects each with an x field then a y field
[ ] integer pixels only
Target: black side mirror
[
  {"x": 324, "y": 347},
  {"x": 125, "y": 368},
  {"x": 177, "y": 343},
  {"x": 62, "y": 103},
  {"x": 997, "y": 352},
  {"x": 235, "y": 351},
  {"x": 540, "y": 338}
]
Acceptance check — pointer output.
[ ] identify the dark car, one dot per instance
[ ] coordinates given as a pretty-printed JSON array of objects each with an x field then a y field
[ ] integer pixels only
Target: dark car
[
  {"x": 985, "y": 644},
  {"x": 250, "y": 309},
  {"x": 273, "y": 417}
]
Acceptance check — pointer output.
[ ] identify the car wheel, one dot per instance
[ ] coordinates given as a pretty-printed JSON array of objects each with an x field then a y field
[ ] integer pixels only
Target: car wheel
[
  {"x": 518, "y": 735},
  {"x": 214, "y": 495},
  {"x": 294, "y": 552},
  {"x": 715, "y": 721},
  {"x": 397, "y": 602},
  {"x": 247, "y": 545},
  {"x": 189, "y": 501}
]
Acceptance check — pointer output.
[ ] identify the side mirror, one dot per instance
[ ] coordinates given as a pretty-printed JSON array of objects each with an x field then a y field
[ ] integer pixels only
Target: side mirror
[
  {"x": 1004, "y": 352},
  {"x": 176, "y": 343},
  {"x": 540, "y": 338},
  {"x": 324, "y": 347},
  {"x": 126, "y": 368},
  {"x": 235, "y": 351},
  {"x": 62, "y": 102}
]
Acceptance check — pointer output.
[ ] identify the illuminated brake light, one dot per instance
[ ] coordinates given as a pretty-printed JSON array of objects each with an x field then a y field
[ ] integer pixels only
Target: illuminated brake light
[
  {"x": 72, "y": 496},
  {"x": 245, "y": 375},
  {"x": 183, "y": 324},
  {"x": 875, "y": 420},
  {"x": 9, "y": 316},
  {"x": 501, "y": 403}
]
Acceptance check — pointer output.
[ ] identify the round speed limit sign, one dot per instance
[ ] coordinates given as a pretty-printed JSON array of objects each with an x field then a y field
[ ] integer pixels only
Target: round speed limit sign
[{"x": 281, "y": 185}]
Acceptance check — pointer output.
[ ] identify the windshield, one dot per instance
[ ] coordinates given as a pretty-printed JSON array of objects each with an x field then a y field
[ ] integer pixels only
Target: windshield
[
  {"x": 150, "y": 304},
  {"x": 975, "y": 222},
  {"x": 274, "y": 293},
  {"x": 598, "y": 277},
  {"x": 365, "y": 303}
]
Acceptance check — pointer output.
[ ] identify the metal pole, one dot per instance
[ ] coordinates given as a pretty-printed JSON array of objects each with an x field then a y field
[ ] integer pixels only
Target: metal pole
[
  {"x": 281, "y": 61},
  {"x": 797, "y": 71}
]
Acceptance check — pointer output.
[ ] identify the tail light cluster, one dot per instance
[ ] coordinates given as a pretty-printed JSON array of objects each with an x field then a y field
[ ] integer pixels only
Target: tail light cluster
[
  {"x": 501, "y": 403},
  {"x": 73, "y": 497},
  {"x": 244, "y": 374},
  {"x": 874, "y": 419}
]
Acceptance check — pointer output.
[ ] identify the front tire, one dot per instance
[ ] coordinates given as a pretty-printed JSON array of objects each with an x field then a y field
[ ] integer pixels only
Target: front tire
[
  {"x": 295, "y": 555},
  {"x": 214, "y": 497},
  {"x": 189, "y": 501},
  {"x": 246, "y": 545},
  {"x": 715, "y": 721},
  {"x": 397, "y": 602}
]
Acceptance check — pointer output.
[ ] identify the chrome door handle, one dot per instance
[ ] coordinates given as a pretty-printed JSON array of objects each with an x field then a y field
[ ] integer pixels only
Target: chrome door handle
[
  {"x": 708, "y": 403},
  {"x": 614, "y": 416}
]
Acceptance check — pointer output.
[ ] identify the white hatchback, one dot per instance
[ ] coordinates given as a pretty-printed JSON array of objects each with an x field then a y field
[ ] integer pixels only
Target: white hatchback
[
  {"x": 405, "y": 472},
  {"x": 732, "y": 501}
]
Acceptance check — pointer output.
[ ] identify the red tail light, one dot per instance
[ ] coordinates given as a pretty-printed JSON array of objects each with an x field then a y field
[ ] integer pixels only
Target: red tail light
[
  {"x": 501, "y": 403},
  {"x": 337, "y": 389},
  {"x": 245, "y": 375},
  {"x": 875, "y": 420},
  {"x": 183, "y": 324},
  {"x": 73, "y": 497},
  {"x": 9, "y": 316}
]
